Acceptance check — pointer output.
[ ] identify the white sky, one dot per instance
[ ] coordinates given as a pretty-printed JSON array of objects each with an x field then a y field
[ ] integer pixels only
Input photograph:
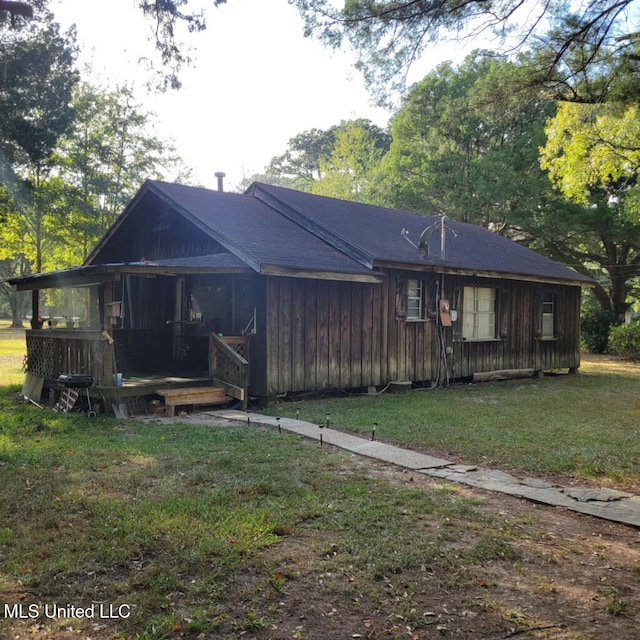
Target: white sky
[{"x": 255, "y": 82}]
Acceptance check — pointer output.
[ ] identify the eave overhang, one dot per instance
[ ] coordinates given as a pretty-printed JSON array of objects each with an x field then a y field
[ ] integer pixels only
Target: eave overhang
[
  {"x": 578, "y": 281},
  {"x": 97, "y": 274},
  {"x": 373, "y": 277}
]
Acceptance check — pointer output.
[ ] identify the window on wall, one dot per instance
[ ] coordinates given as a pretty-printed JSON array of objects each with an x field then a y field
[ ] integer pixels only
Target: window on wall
[
  {"x": 479, "y": 313},
  {"x": 415, "y": 300},
  {"x": 548, "y": 308}
]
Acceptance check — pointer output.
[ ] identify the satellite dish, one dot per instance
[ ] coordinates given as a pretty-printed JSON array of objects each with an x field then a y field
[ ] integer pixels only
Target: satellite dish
[{"x": 424, "y": 237}]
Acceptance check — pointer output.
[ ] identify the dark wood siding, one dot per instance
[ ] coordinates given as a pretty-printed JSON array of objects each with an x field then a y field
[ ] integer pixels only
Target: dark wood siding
[
  {"x": 323, "y": 334},
  {"x": 156, "y": 231},
  {"x": 518, "y": 343}
]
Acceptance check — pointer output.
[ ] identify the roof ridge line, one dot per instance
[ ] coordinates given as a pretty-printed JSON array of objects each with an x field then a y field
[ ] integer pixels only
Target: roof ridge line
[{"x": 321, "y": 232}]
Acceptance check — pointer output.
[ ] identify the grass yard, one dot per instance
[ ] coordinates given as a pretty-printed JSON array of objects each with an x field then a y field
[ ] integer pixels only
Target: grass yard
[
  {"x": 12, "y": 352},
  {"x": 168, "y": 531},
  {"x": 586, "y": 426},
  {"x": 137, "y": 530}
]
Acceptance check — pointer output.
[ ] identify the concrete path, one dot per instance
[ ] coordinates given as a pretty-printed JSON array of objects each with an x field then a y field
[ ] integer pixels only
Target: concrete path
[{"x": 609, "y": 504}]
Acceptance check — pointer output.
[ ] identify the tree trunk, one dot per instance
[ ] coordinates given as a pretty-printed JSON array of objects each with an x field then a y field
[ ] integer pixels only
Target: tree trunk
[
  {"x": 618, "y": 295},
  {"x": 17, "y": 311}
]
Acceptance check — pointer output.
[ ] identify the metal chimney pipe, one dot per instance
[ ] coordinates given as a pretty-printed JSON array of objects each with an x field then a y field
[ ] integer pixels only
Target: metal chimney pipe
[{"x": 220, "y": 175}]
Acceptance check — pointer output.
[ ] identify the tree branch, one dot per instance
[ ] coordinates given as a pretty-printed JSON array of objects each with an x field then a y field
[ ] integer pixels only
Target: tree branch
[{"x": 16, "y": 8}]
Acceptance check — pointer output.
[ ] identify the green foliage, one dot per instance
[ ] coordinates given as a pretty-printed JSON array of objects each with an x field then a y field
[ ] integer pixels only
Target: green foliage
[
  {"x": 624, "y": 341},
  {"x": 35, "y": 95},
  {"x": 593, "y": 148},
  {"x": 35, "y": 92},
  {"x": 578, "y": 55},
  {"x": 596, "y": 324},
  {"x": 465, "y": 144},
  {"x": 592, "y": 157},
  {"x": 614, "y": 604},
  {"x": 103, "y": 158},
  {"x": 345, "y": 171},
  {"x": 317, "y": 154}
]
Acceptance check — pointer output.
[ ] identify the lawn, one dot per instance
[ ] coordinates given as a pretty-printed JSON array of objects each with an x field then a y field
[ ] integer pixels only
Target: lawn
[
  {"x": 12, "y": 352},
  {"x": 141, "y": 530},
  {"x": 585, "y": 426}
]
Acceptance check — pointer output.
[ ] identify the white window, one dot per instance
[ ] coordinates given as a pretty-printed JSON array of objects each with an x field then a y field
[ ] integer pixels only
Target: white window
[
  {"x": 415, "y": 300},
  {"x": 548, "y": 304},
  {"x": 479, "y": 313}
]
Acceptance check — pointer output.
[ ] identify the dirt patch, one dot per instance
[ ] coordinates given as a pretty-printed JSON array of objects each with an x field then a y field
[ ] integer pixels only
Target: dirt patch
[
  {"x": 561, "y": 576},
  {"x": 539, "y": 572}
]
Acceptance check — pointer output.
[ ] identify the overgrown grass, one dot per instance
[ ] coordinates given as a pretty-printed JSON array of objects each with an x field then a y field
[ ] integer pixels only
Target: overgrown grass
[{"x": 585, "y": 425}]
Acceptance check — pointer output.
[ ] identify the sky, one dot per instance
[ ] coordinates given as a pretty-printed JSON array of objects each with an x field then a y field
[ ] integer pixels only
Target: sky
[{"x": 255, "y": 81}]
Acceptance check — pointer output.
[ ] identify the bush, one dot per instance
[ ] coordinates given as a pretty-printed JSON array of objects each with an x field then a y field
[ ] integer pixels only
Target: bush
[
  {"x": 624, "y": 341},
  {"x": 596, "y": 325}
]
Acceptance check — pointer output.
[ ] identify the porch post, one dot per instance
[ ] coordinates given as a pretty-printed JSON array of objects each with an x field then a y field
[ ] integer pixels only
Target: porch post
[
  {"x": 35, "y": 309},
  {"x": 177, "y": 317}
]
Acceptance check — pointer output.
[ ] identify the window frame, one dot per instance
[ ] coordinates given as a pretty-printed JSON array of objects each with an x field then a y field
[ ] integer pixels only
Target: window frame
[
  {"x": 548, "y": 319},
  {"x": 483, "y": 320},
  {"x": 415, "y": 312}
]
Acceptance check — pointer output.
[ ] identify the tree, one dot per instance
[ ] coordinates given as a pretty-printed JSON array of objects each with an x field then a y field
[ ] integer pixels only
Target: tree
[
  {"x": 389, "y": 37},
  {"x": 35, "y": 94},
  {"x": 466, "y": 145},
  {"x": 301, "y": 165},
  {"x": 345, "y": 171},
  {"x": 11, "y": 264},
  {"x": 104, "y": 156},
  {"x": 593, "y": 157}
]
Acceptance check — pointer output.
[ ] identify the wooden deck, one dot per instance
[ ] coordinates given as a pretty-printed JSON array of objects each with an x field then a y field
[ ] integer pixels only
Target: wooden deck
[{"x": 145, "y": 386}]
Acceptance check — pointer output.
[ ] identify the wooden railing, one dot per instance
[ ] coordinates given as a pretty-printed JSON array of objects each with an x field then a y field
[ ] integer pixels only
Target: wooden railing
[
  {"x": 51, "y": 353},
  {"x": 228, "y": 368}
]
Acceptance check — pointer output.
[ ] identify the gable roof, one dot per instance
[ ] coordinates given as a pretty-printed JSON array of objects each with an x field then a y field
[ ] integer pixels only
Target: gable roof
[
  {"x": 278, "y": 231},
  {"x": 374, "y": 236},
  {"x": 249, "y": 229}
]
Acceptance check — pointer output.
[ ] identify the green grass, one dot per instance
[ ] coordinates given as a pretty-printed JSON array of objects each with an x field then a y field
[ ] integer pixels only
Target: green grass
[
  {"x": 170, "y": 519},
  {"x": 205, "y": 531},
  {"x": 585, "y": 425},
  {"x": 12, "y": 352}
]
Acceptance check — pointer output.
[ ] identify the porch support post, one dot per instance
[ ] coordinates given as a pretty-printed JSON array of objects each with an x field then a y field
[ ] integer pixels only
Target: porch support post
[
  {"x": 35, "y": 309},
  {"x": 101, "y": 318},
  {"x": 177, "y": 317}
]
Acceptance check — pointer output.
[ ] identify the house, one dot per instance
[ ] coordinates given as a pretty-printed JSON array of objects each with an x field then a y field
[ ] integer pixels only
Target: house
[{"x": 276, "y": 291}]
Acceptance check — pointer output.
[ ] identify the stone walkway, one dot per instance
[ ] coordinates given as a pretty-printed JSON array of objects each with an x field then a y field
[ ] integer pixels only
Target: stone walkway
[{"x": 609, "y": 504}]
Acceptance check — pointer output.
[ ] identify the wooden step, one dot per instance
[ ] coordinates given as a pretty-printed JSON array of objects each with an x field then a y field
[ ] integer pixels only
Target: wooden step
[{"x": 191, "y": 396}]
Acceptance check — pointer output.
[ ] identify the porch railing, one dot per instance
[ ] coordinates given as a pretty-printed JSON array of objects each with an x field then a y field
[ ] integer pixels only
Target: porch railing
[
  {"x": 228, "y": 367},
  {"x": 51, "y": 353}
]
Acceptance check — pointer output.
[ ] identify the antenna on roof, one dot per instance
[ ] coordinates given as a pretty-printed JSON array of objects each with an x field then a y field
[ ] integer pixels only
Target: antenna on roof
[
  {"x": 423, "y": 242},
  {"x": 443, "y": 236},
  {"x": 405, "y": 234}
]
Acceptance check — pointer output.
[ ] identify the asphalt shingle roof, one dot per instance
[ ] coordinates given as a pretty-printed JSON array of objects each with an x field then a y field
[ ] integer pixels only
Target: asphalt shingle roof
[
  {"x": 272, "y": 226},
  {"x": 376, "y": 234},
  {"x": 255, "y": 231}
]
